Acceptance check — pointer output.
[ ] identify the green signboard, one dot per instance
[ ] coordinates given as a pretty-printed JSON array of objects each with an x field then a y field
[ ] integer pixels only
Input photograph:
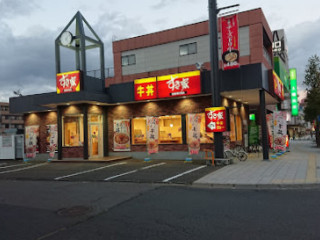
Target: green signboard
[{"x": 294, "y": 92}]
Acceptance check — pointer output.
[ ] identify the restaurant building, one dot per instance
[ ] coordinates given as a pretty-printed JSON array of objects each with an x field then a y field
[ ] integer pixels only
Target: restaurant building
[{"x": 155, "y": 103}]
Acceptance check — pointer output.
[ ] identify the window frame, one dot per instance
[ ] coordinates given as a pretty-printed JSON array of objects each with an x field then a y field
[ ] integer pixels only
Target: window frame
[
  {"x": 188, "y": 47},
  {"x": 129, "y": 60},
  {"x": 80, "y": 131}
]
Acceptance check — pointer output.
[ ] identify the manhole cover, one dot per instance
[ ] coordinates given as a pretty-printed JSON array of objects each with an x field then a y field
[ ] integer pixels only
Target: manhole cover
[{"x": 74, "y": 211}]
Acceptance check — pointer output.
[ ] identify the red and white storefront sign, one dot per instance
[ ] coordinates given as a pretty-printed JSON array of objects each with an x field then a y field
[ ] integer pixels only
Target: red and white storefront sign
[
  {"x": 230, "y": 42},
  {"x": 68, "y": 82},
  {"x": 216, "y": 119},
  {"x": 145, "y": 88},
  {"x": 278, "y": 86},
  {"x": 181, "y": 84}
]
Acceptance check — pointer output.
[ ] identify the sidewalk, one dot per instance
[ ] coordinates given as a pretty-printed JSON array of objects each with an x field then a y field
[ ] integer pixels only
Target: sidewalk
[{"x": 297, "y": 168}]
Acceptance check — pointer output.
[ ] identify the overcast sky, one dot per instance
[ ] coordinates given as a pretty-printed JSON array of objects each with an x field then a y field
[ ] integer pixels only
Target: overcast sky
[{"x": 28, "y": 30}]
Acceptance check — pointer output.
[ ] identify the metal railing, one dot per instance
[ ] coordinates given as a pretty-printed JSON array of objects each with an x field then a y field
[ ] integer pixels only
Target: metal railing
[{"x": 109, "y": 72}]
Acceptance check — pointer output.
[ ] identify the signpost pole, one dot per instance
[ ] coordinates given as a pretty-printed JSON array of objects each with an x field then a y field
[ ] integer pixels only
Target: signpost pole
[{"x": 215, "y": 78}]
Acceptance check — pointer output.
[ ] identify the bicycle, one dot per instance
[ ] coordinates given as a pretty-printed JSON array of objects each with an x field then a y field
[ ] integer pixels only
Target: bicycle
[{"x": 235, "y": 153}]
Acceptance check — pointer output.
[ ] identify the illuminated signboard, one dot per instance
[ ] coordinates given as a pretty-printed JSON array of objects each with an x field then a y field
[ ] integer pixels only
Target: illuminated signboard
[
  {"x": 181, "y": 84},
  {"x": 230, "y": 42},
  {"x": 294, "y": 92},
  {"x": 252, "y": 117},
  {"x": 68, "y": 82},
  {"x": 278, "y": 86},
  {"x": 216, "y": 119},
  {"x": 145, "y": 88}
]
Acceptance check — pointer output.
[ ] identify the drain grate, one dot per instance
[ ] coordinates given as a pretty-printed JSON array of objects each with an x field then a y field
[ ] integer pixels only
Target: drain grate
[{"x": 74, "y": 211}]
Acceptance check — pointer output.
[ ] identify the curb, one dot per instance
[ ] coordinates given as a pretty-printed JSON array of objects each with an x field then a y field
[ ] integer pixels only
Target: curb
[{"x": 256, "y": 186}]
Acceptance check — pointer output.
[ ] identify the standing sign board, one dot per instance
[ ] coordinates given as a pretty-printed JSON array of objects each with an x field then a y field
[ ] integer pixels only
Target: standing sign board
[
  {"x": 121, "y": 136},
  {"x": 280, "y": 130},
  {"x": 152, "y": 134},
  {"x": 230, "y": 42},
  {"x": 216, "y": 119}
]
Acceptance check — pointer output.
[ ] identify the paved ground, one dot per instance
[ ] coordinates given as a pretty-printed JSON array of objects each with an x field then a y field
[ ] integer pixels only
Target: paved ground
[
  {"x": 129, "y": 170},
  {"x": 299, "y": 167}
]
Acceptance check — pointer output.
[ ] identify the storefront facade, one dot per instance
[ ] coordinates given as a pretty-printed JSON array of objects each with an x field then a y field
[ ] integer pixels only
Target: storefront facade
[{"x": 94, "y": 122}]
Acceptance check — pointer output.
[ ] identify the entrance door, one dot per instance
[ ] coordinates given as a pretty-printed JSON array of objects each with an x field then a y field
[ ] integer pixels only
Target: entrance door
[{"x": 95, "y": 140}]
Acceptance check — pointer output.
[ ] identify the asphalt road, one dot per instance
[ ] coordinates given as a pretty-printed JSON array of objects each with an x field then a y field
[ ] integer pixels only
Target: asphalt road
[{"x": 56, "y": 210}]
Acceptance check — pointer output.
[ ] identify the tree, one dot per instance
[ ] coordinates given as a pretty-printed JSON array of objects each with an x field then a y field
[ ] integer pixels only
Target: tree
[{"x": 312, "y": 81}]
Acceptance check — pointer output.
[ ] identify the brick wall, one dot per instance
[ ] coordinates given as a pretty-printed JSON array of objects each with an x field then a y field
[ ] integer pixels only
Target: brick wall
[
  {"x": 72, "y": 152},
  {"x": 41, "y": 119},
  {"x": 161, "y": 108}
]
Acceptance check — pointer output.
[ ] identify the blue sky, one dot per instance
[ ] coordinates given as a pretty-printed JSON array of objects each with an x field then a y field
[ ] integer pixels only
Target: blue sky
[{"x": 29, "y": 28}]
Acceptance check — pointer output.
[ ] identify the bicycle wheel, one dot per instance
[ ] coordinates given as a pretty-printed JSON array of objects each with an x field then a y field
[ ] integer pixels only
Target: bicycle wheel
[
  {"x": 242, "y": 156},
  {"x": 228, "y": 154}
]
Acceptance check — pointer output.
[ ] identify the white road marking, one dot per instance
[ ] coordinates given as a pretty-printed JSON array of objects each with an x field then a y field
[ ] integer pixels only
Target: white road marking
[
  {"x": 133, "y": 171},
  {"x": 119, "y": 175},
  {"x": 91, "y": 170},
  {"x": 13, "y": 165},
  {"x": 25, "y": 168},
  {"x": 154, "y": 165},
  {"x": 181, "y": 174}
]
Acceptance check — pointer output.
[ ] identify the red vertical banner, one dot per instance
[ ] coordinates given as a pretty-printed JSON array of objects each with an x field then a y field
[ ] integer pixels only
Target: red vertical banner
[
  {"x": 216, "y": 119},
  {"x": 230, "y": 42}
]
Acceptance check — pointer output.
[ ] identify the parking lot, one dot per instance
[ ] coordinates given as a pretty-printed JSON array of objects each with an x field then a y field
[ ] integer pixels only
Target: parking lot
[{"x": 129, "y": 170}]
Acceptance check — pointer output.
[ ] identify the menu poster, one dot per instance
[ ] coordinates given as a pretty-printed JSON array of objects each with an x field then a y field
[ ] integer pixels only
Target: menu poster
[
  {"x": 52, "y": 139},
  {"x": 152, "y": 135},
  {"x": 270, "y": 129},
  {"x": 194, "y": 123},
  {"x": 121, "y": 135},
  {"x": 280, "y": 130},
  {"x": 32, "y": 135}
]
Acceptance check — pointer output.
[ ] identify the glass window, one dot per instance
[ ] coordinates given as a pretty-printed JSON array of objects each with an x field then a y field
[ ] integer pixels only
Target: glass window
[
  {"x": 235, "y": 128},
  {"x": 204, "y": 136},
  {"x": 170, "y": 129},
  {"x": 125, "y": 61},
  {"x": 239, "y": 128},
  {"x": 72, "y": 131},
  {"x": 139, "y": 131},
  {"x": 183, "y": 50},
  {"x": 188, "y": 49},
  {"x": 128, "y": 60},
  {"x": 232, "y": 129}
]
